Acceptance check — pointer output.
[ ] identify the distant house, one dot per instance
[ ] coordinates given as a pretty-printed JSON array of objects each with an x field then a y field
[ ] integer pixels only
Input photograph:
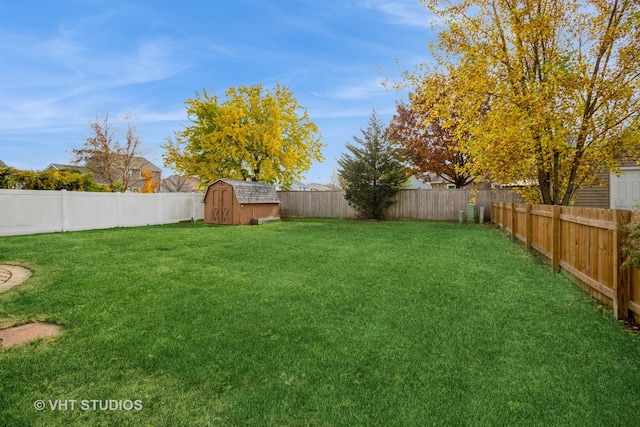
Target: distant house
[
  {"x": 231, "y": 202},
  {"x": 3, "y": 164},
  {"x": 136, "y": 182},
  {"x": 60, "y": 167},
  {"x": 615, "y": 192},
  {"x": 295, "y": 186},
  {"x": 179, "y": 184},
  {"x": 436, "y": 182},
  {"x": 418, "y": 184},
  {"x": 138, "y": 164},
  {"x": 318, "y": 187},
  {"x": 299, "y": 186}
]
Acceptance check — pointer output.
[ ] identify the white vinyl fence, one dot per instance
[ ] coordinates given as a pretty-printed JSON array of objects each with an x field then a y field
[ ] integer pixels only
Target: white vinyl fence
[{"x": 32, "y": 212}]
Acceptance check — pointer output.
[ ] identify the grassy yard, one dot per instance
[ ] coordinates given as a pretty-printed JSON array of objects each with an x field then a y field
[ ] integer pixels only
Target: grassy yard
[{"x": 311, "y": 322}]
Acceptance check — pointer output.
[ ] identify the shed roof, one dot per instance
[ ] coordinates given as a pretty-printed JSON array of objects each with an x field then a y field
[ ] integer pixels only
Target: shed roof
[{"x": 250, "y": 191}]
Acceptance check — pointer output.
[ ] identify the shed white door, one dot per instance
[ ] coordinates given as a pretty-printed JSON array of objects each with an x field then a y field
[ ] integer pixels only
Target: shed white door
[{"x": 625, "y": 189}]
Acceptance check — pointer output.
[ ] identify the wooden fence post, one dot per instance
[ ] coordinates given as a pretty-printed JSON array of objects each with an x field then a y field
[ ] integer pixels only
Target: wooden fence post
[
  {"x": 620, "y": 284},
  {"x": 555, "y": 245},
  {"x": 514, "y": 221},
  {"x": 528, "y": 226},
  {"x": 493, "y": 212}
]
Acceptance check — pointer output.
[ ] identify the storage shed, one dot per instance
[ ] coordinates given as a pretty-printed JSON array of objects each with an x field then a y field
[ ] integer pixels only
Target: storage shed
[{"x": 232, "y": 202}]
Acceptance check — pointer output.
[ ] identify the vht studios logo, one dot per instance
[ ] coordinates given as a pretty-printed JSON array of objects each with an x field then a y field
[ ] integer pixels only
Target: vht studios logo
[{"x": 88, "y": 405}]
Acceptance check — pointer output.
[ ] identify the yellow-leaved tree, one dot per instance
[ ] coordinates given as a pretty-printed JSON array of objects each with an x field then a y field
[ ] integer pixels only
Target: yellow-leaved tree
[
  {"x": 559, "y": 81},
  {"x": 149, "y": 182},
  {"x": 256, "y": 134}
]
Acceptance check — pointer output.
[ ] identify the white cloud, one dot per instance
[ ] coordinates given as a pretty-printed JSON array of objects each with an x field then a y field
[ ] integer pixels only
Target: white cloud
[
  {"x": 158, "y": 116},
  {"x": 53, "y": 80},
  {"x": 407, "y": 12},
  {"x": 366, "y": 89},
  {"x": 152, "y": 61}
]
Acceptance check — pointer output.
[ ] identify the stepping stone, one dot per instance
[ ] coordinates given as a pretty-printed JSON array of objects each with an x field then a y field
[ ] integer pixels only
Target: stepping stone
[
  {"x": 12, "y": 275},
  {"x": 28, "y": 332}
]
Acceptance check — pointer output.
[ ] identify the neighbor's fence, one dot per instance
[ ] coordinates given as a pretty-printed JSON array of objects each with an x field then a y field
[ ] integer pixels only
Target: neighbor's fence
[
  {"x": 583, "y": 242},
  {"x": 31, "y": 211},
  {"x": 443, "y": 205}
]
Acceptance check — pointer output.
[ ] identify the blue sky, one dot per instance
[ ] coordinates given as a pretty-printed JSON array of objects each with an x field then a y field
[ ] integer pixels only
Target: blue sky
[{"x": 64, "y": 62}]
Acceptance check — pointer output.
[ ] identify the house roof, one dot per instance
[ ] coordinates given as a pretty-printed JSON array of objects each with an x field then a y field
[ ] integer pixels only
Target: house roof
[
  {"x": 137, "y": 163},
  {"x": 140, "y": 163},
  {"x": 299, "y": 185},
  {"x": 175, "y": 183},
  {"x": 3, "y": 164},
  {"x": 59, "y": 166},
  {"x": 248, "y": 192},
  {"x": 317, "y": 187}
]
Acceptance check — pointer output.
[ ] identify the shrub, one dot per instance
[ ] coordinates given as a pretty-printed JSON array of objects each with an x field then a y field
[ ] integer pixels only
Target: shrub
[{"x": 631, "y": 242}]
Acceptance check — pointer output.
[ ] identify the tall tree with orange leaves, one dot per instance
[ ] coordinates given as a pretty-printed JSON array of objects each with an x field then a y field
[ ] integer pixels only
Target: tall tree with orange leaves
[
  {"x": 561, "y": 78},
  {"x": 430, "y": 147}
]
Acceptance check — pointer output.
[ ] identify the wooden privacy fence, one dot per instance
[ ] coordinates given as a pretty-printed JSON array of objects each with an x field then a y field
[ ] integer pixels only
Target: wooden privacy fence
[
  {"x": 582, "y": 242},
  {"x": 442, "y": 205}
]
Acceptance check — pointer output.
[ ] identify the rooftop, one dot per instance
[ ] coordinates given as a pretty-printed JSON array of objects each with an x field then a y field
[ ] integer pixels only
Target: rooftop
[{"x": 251, "y": 191}]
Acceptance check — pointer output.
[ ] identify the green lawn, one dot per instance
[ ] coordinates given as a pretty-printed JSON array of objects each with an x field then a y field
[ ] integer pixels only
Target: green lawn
[{"x": 310, "y": 322}]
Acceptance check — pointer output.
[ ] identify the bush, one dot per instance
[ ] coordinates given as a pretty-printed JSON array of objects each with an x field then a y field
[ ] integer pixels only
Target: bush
[
  {"x": 11, "y": 178},
  {"x": 631, "y": 242}
]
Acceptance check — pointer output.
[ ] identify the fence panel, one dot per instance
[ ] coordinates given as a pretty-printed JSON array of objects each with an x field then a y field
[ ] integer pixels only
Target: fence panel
[
  {"x": 441, "y": 205},
  {"x": 541, "y": 224},
  {"x": 32, "y": 212},
  {"x": 584, "y": 243},
  {"x": 319, "y": 204},
  {"x": 587, "y": 248},
  {"x": 82, "y": 212}
]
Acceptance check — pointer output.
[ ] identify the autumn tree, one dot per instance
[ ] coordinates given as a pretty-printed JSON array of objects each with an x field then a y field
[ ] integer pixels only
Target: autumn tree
[
  {"x": 373, "y": 172},
  {"x": 562, "y": 81},
  {"x": 255, "y": 134},
  {"x": 149, "y": 182},
  {"x": 105, "y": 155},
  {"x": 426, "y": 142},
  {"x": 179, "y": 184}
]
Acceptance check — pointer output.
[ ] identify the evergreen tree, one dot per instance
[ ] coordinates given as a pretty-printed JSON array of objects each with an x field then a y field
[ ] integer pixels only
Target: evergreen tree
[{"x": 373, "y": 172}]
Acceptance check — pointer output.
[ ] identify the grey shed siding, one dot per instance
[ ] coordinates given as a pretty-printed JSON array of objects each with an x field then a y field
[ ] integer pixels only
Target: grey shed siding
[{"x": 596, "y": 196}]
